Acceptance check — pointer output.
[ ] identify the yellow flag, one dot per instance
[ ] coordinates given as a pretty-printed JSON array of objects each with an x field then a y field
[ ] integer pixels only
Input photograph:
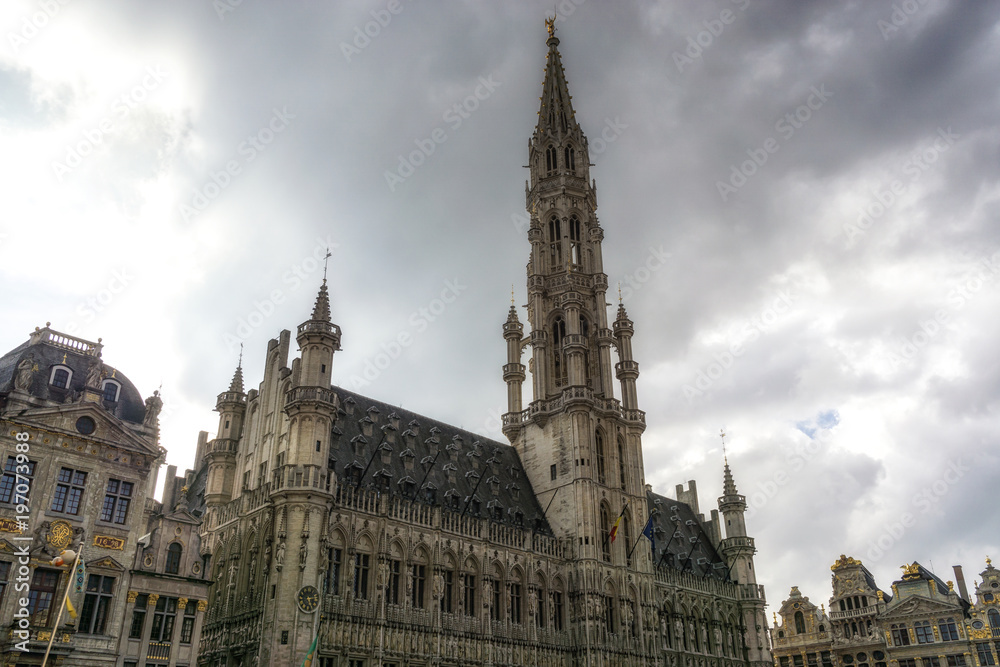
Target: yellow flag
[{"x": 69, "y": 608}]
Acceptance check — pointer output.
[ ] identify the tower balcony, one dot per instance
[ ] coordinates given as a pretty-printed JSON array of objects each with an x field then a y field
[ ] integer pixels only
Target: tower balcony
[
  {"x": 513, "y": 372},
  {"x": 512, "y": 330},
  {"x": 605, "y": 337},
  {"x": 623, "y": 328},
  {"x": 600, "y": 282},
  {"x": 236, "y": 398},
  {"x": 574, "y": 342},
  {"x": 739, "y": 545},
  {"x": 312, "y": 397},
  {"x": 634, "y": 416},
  {"x": 539, "y": 339},
  {"x": 319, "y": 329},
  {"x": 627, "y": 370}
]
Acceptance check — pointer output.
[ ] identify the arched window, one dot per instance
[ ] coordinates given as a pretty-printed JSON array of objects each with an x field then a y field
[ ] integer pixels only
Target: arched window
[
  {"x": 173, "y": 565},
  {"x": 560, "y": 372},
  {"x": 550, "y": 159},
  {"x": 599, "y": 447},
  {"x": 418, "y": 580},
  {"x": 574, "y": 240},
  {"x": 605, "y": 529},
  {"x": 621, "y": 461},
  {"x": 514, "y": 599},
  {"x": 555, "y": 243},
  {"x": 570, "y": 156},
  {"x": 60, "y": 376},
  {"x": 110, "y": 391},
  {"x": 627, "y": 537},
  {"x": 994, "y": 617},
  {"x": 800, "y": 623}
]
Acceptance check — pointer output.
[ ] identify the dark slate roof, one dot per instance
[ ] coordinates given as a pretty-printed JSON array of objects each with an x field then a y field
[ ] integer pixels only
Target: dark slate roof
[
  {"x": 129, "y": 407},
  {"x": 680, "y": 540},
  {"x": 413, "y": 455},
  {"x": 942, "y": 587},
  {"x": 870, "y": 580}
]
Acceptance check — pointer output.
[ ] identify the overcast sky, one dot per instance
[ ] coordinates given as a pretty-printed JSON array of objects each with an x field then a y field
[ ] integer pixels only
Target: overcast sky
[{"x": 800, "y": 200}]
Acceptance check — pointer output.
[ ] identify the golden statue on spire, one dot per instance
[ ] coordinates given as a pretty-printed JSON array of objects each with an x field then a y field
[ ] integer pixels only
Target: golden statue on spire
[{"x": 551, "y": 25}]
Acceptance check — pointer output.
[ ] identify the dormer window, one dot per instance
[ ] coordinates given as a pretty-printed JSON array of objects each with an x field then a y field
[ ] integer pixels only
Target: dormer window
[
  {"x": 407, "y": 485},
  {"x": 430, "y": 493},
  {"x": 60, "y": 376},
  {"x": 110, "y": 391}
]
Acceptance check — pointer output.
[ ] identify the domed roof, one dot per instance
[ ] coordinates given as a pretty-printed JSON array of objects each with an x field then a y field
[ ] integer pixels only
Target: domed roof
[{"x": 48, "y": 351}]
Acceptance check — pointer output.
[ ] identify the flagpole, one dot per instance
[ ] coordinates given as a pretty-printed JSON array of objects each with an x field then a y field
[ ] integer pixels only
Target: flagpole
[
  {"x": 69, "y": 585},
  {"x": 642, "y": 534}
]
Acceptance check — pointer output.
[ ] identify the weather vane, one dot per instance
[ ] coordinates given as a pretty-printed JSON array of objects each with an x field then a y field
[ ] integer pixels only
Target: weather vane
[{"x": 326, "y": 259}]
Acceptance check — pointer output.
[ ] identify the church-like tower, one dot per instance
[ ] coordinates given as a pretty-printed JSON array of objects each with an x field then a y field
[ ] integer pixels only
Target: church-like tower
[{"x": 580, "y": 445}]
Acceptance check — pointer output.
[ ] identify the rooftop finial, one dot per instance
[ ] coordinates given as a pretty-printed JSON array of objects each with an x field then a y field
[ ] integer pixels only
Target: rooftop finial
[
  {"x": 619, "y": 294},
  {"x": 550, "y": 24},
  {"x": 722, "y": 434},
  {"x": 326, "y": 259},
  {"x": 512, "y": 294}
]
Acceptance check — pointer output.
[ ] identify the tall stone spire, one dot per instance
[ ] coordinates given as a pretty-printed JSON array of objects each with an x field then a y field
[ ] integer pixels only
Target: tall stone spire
[{"x": 556, "y": 112}]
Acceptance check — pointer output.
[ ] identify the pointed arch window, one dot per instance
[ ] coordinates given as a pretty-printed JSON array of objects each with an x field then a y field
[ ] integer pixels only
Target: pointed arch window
[
  {"x": 800, "y": 623},
  {"x": 605, "y": 529},
  {"x": 627, "y": 537},
  {"x": 559, "y": 370},
  {"x": 574, "y": 240},
  {"x": 550, "y": 159},
  {"x": 599, "y": 447},
  {"x": 570, "y": 158},
  {"x": 621, "y": 461},
  {"x": 555, "y": 243}
]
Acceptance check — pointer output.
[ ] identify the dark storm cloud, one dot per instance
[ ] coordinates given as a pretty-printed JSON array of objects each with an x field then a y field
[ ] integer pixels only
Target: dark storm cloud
[{"x": 819, "y": 107}]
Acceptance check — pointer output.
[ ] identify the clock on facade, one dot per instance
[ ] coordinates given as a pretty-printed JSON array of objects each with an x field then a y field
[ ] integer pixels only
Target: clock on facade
[{"x": 308, "y": 599}]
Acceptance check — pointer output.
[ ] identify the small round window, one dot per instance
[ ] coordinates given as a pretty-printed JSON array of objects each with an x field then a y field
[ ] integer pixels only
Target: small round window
[
  {"x": 978, "y": 625},
  {"x": 848, "y": 659},
  {"x": 878, "y": 655},
  {"x": 85, "y": 425}
]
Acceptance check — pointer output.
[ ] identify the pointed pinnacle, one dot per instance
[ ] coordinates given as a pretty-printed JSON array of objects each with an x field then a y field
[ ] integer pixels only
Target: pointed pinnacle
[
  {"x": 321, "y": 311},
  {"x": 236, "y": 385}
]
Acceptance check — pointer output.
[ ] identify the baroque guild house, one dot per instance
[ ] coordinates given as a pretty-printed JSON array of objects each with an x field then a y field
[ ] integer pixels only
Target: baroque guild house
[
  {"x": 922, "y": 622},
  {"x": 391, "y": 538}
]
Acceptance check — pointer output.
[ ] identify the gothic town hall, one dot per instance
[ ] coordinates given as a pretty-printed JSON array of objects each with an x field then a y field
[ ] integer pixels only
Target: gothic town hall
[{"x": 402, "y": 540}]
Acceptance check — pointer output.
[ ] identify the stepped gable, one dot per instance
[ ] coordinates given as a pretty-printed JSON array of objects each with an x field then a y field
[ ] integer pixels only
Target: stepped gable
[
  {"x": 408, "y": 443},
  {"x": 678, "y": 532}
]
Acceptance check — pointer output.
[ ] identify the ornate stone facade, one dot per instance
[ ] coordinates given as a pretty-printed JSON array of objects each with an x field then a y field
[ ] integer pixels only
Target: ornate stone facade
[
  {"x": 80, "y": 450},
  {"x": 401, "y": 540},
  {"x": 922, "y": 622}
]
